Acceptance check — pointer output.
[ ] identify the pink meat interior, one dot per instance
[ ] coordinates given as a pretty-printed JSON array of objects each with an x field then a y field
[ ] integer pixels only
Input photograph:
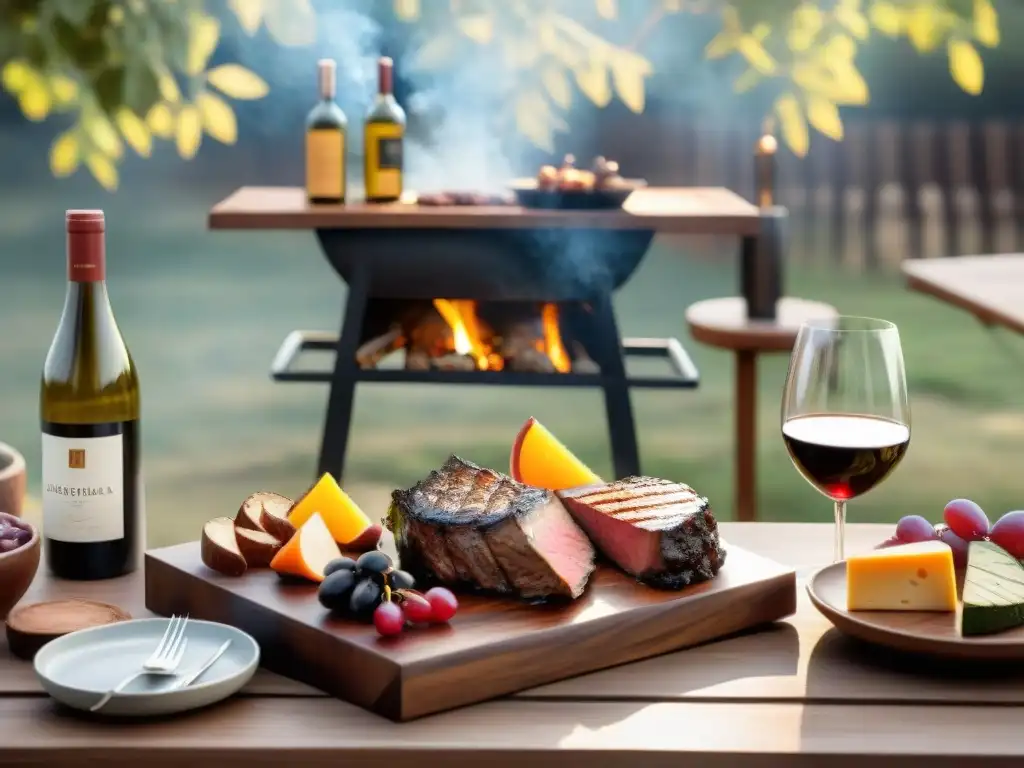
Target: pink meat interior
[
  {"x": 633, "y": 549},
  {"x": 561, "y": 543}
]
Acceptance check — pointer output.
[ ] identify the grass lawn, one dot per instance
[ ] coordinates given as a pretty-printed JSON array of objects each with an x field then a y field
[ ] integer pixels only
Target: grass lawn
[{"x": 204, "y": 313}]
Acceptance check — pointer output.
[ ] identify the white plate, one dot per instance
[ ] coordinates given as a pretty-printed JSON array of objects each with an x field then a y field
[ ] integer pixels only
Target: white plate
[{"x": 78, "y": 668}]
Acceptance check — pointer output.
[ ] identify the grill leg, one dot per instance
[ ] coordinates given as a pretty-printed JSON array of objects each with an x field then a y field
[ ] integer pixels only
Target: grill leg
[
  {"x": 343, "y": 381},
  {"x": 617, "y": 406}
]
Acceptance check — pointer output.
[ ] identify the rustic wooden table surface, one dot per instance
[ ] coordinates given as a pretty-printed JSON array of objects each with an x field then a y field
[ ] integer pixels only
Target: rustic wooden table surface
[
  {"x": 678, "y": 210},
  {"x": 795, "y": 694},
  {"x": 989, "y": 287}
]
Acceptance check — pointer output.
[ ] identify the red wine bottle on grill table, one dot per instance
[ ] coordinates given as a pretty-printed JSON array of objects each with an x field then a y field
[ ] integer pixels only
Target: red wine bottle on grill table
[{"x": 93, "y": 516}]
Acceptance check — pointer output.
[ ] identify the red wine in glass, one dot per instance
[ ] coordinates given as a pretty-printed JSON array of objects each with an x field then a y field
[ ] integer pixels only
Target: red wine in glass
[{"x": 844, "y": 455}]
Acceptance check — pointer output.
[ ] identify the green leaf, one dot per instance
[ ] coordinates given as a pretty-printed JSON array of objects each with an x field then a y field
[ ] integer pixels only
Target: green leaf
[
  {"x": 986, "y": 23},
  {"x": 141, "y": 88},
  {"x": 75, "y": 11},
  {"x": 205, "y": 35},
  {"x": 747, "y": 81}
]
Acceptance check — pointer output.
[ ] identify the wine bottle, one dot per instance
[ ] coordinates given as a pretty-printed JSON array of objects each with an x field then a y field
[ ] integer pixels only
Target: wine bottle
[
  {"x": 93, "y": 516},
  {"x": 326, "y": 127},
  {"x": 384, "y": 132}
]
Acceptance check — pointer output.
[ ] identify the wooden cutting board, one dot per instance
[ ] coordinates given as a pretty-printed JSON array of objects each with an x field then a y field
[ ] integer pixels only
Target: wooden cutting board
[{"x": 493, "y": 647}]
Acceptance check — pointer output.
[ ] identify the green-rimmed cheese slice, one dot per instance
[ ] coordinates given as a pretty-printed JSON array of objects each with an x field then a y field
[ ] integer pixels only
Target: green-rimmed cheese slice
[{"x": 993, "y": 590}]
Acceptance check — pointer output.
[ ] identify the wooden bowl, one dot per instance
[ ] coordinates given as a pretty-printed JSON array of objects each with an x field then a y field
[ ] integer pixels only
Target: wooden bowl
[
  {"x": 17, "y": 569},
  {"x": 12, "y": 480}
]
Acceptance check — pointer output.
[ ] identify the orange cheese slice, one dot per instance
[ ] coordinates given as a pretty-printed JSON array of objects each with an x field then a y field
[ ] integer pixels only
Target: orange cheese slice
[
  {"x": 308, "y": 552},
  {"x": 907, "y": 577},
  {"x": 344, "y": 519}
]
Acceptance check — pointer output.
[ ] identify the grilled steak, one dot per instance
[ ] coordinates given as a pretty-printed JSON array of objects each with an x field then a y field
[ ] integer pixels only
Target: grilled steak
[
  {"x": 659, "y": 531},
  {"x": 464, "y": 525}
]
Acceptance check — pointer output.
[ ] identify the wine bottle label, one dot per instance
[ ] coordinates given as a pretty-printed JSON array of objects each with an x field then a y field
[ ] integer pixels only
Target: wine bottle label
[
  {"x": 383, "y": 160},
  {"x": 325, "y": 163},
  {"x": 84, "y": 482}
]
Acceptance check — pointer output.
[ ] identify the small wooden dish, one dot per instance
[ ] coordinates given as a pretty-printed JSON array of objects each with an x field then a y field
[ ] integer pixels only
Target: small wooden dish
[
  {"x": 920, "y": 632},
  {"x": 31, "y": 626},
  {"x": 18, "y": 568},
  {"x": 603, "y": 199}
]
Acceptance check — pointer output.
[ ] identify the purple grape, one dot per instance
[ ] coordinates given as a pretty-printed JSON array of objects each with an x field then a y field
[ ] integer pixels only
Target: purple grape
[
  {"x": 914, "y": 528},
  {"x": 1008, "y": 533},
  {"x": 966, "y": 519},
  {"x": 958, "y": 545},
  {"x": 892, "y": 541},
  {"x": 8, "y": 545},
  {"x": 23, "y": 536},
  {"x": 9, "y": 534}
]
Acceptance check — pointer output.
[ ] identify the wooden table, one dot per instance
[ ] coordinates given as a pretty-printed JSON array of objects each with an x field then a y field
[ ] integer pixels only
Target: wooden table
[
  {"x": 989, "y": 287},
  {"x": 402, "y": 252},
  {"x": 723, "y": 323},
  {"x": 794, "y": 695}
]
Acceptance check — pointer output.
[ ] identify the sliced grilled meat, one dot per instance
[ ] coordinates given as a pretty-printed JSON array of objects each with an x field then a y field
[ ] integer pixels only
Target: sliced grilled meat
[
  {"x": 464, "y": 525},
  {"x": 659, "y": 531}
]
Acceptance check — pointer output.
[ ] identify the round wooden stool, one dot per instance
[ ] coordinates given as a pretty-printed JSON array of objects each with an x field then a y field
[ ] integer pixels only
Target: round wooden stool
[{"x": 723, "y": 323}]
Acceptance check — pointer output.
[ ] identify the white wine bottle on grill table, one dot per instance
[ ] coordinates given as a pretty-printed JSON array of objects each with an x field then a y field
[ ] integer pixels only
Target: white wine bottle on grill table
[
  {"x": 326, "y": 127},
  {"x": 93, "y": 516},
  {"x": 383, "y": 135}
]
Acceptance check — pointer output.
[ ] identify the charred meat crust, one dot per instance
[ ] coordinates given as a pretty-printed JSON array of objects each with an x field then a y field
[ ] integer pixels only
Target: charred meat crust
[{"x": 686, "y": 563}]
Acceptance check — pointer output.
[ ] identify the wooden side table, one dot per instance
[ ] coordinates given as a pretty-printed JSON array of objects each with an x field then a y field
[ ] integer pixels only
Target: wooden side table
[{"x": 723, "y": 323}]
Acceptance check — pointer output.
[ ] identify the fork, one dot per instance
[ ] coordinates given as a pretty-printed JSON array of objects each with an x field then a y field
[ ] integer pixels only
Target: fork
[{"x": 162, "y": 662}]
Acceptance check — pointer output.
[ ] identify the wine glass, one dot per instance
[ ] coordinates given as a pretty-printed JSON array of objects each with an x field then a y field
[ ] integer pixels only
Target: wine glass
[{"x": 845, "y": 415}]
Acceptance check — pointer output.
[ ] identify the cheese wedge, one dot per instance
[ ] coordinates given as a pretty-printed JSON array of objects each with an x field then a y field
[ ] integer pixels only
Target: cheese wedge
[{"x": 907, "y": 577}]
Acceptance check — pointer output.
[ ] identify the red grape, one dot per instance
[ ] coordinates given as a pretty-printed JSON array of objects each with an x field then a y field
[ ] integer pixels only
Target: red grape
[
  {"x": 416, "y": 607},
  {"x": 966, "y": 519},
  {"x": 914, "y": 528},
  {"x": 1008, "y": 533},
  {"x": 443, "y": 604},
  {"x": 958, "y": 545},
  {"x": 388, "y": 619}
]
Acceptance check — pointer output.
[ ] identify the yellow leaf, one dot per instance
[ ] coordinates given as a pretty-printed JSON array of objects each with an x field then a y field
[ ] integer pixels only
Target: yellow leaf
[
  {"x": 824, "y": 116},
  {"x": 966, "y": 67},
  {"x": 521, "y": 52},
  {"x": 853, "y": 20},
  {"x": 479, "y": 27},
  {"x": 672, "y": 6},
  {"x": 799, "y": 40},
  {"x": 248, "y": 12},
  {"x": 102, "y": 169},
  {"x": 237, "y": 82},
  {"x": 64, "y": 154},
  {"x": 986, "y": 23},
  {"x": 64, "y": 89},
  {"x": 190, "y": 132},
  {"x": 761, "y": 31},
  {"x": 407, "y": 10},
  {"x": 34, "y": 99},
  {"x": 556, "y": 83},
  {"x": 218, "y": 118},
  {"x": 755, "y": 54},
  {"x": 438, "y": 51},
  {"x": 886, "y": 18},
  {"x": 134, "y": 131},
  {"x": 839, "y": 48},
  {"x": 102, "y": 134},
  {"x": 533, "y": 120},
  {"x": 168, "y": 86},
  {"x": 721, "y": 45},
  {"x": 17, "y": 74},
  {"x": 747, "y": 81},
  {"x": 160, "y": 121},
  {"x": 204, "y": 33},
  {"x": 592, "y": 79},
  {"x": 607, "y": 9},
  {"x": 628, "y": 73},
  {"x": 291, "y": 22},
  {"x": 841, "y": 84},
  {"x": 922, "y": 28},
  {"x": 808, "y": 18},
  {"x": 794, "y": 124}
]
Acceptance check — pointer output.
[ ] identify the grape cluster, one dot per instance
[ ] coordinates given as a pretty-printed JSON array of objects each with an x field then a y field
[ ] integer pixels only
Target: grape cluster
[
  {"x": 963, "y": 522},
  {"x": 13, "y": 533},
  {"x": 372, "y": 589}
]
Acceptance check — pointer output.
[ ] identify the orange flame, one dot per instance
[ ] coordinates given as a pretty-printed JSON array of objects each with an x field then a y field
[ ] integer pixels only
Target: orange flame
[
  {"x": 460, "y": 315},
  {"x": 553, "y": 339}
]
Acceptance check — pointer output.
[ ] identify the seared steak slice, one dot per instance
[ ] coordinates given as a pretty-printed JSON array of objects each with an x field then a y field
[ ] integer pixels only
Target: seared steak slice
[
  {"x": 659, "y": 531},
  {"x": 464, "y": 525}
]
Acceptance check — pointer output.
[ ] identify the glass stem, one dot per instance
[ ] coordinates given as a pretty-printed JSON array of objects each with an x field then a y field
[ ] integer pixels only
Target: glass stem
[{"x": 838, "y": 550}]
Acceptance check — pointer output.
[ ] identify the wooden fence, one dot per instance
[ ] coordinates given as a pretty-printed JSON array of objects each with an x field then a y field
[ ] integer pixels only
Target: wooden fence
[{"x": 890, "y": 190}]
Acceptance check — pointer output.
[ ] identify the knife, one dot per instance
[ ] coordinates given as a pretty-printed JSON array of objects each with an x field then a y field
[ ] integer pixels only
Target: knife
[{"x": 187, "y": 681}]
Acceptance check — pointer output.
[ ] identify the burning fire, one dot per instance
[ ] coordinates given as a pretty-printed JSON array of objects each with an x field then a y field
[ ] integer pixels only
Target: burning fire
[{"x": 460, "y": 315}]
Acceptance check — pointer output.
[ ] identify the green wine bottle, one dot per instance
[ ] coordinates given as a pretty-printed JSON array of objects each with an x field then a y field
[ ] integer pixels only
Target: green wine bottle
[
  {"x": 93, "y": 509},
  {"x": 326, "y": 127}
]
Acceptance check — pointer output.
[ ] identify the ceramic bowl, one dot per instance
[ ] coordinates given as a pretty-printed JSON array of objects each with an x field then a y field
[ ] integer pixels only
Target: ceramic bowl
[
  {"x": 12, "y": 480},
  {"x": 17, "y": 569}
]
